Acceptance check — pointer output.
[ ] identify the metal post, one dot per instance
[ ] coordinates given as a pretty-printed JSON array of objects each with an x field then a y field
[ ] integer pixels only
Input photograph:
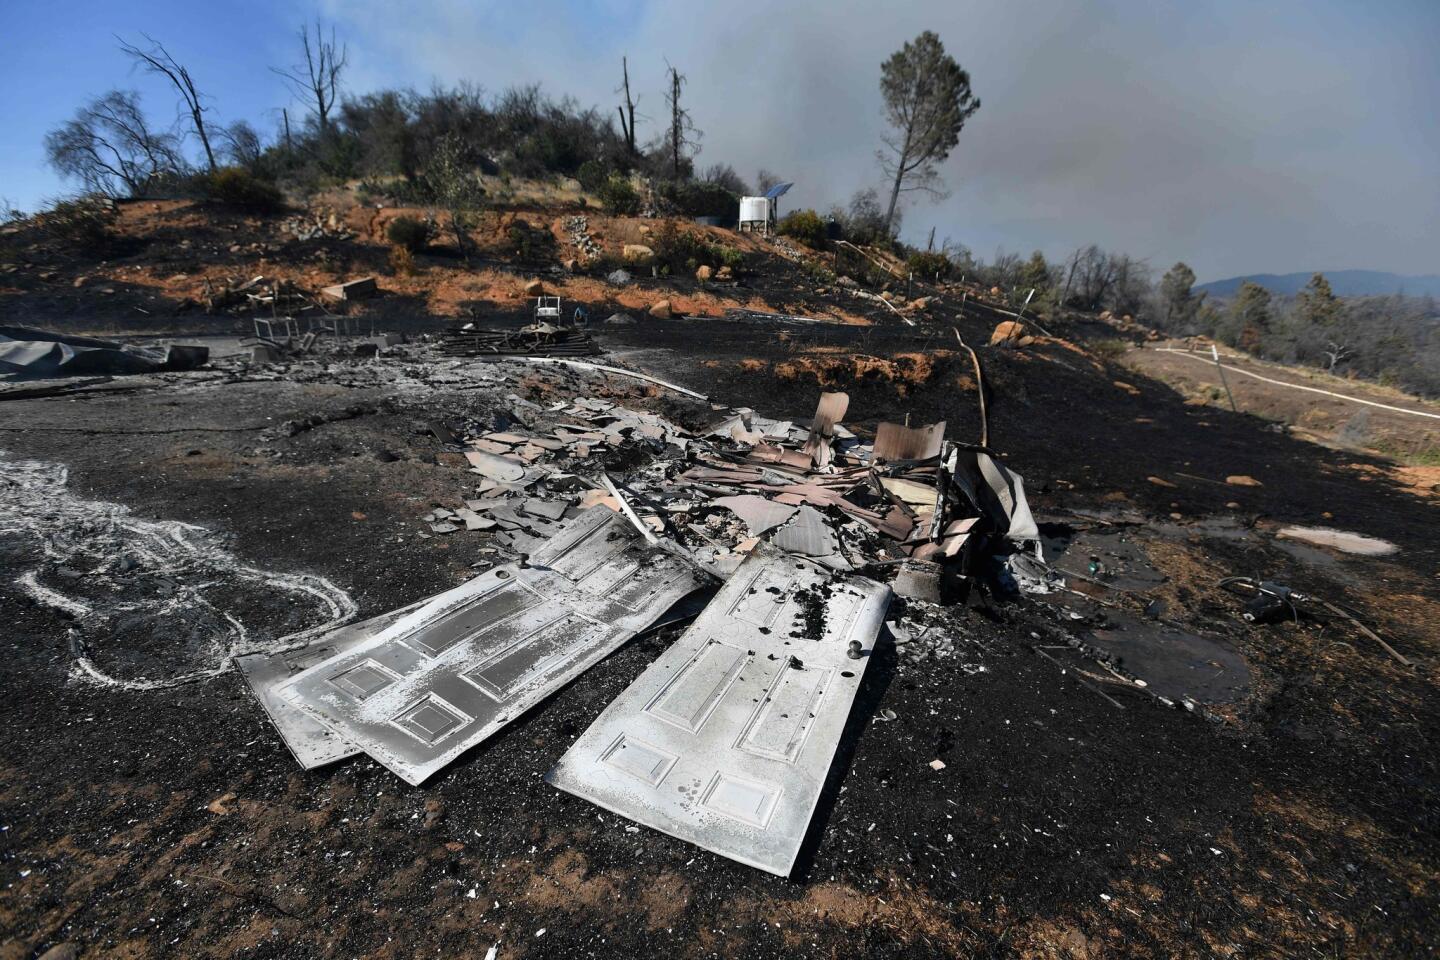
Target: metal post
[{"x": 1216, "y": 354}]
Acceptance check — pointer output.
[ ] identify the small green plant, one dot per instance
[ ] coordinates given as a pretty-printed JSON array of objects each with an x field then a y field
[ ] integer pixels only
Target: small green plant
[
  {"x": 411, "y": 233},
  {"x": 239, "y": 188},
  {"x": 1110, "y": 349},
  {"x": 1423, "y": 452},
  {"x": 619, "y": 198},
  {"x": 806, "y": 227},
  {"x": 731, "y": 257}
]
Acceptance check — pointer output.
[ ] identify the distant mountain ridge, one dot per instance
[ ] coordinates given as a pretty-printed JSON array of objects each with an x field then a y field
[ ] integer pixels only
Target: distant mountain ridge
[{"x": 1345, "y": 283}]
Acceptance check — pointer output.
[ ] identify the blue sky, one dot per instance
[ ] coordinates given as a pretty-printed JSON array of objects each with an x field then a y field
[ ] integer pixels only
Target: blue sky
[{"x": 1237, "y": 135}]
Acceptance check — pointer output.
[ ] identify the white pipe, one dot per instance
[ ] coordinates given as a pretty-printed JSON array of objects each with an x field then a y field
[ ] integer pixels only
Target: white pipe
[
  {"x": 1296, "y": 386},
  {"x": 604, "y": 369}
]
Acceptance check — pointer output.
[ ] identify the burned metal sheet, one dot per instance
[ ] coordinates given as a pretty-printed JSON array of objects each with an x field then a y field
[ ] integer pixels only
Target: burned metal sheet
[
  {"x": 828, "y": 412},
  {"x": 461, "y": 667},
  {"x": 759, "y": 513},
  {"x": 808, "y": 535},
  {"x": 894, "y": 441},
  {"x": 726, "y": 739},
  {"x": 312, "y": 743}
]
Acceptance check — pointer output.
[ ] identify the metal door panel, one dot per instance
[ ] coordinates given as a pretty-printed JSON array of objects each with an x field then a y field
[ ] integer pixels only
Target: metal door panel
[
  {"x": 455, "y": 671},
  {"x": 312, "y": 743},
  {"x": 725, "y": 740}
]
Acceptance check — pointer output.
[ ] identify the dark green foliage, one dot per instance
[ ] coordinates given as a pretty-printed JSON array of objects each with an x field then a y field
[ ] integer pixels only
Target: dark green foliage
[
  {"x": 619, "y": 198},
  {"x": 1179, "y": 307},
  {"x": 1247, "y": 323},
  {"x": 699, "y": 198},
  {"x": 531, "y": 243},
  {"x": 451, "y": 180},
  {"x": 927, "y": 101},
  {"x": 592, "y": 175},
  {"x": 681, "y": 251},
  {"x": 804, "y": 226},
  {"x": 409, "y": 232},
  {"x": 1317, "y": 305},
  {"x": 929, "y": 264},
  {"x": 239, "y": 189},
  {"x": 83, "y": 224},
  {"x": 864, "y": 223}
]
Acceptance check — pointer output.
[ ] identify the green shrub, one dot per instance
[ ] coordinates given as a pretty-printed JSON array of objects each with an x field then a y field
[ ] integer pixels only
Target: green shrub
[
  {"x": 530, "y": 243},
  {"x": 619, "y": 197},
  {"x": 239, "y": 188},
  {"x": 405, "y": 192},
  {"x": 805, "y": 226},
  {"x": 83, "y": 223},
  {"x": 409, "y": 232},
  {"x": 592, "y": 176},
  {"x": 698, "y": 198},
  {"x": 681, "y": 251},
  {"x": 1112, "y": 349},
  {"x": 929, "y": 264}
]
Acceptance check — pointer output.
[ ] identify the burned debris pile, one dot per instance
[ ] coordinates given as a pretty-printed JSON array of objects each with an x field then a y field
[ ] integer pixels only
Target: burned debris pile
[
  {"x": 788, "y": 539},
  {"x": 540, "y": 340},
  {"x": 549, "y": 335},
  {"x": 27, "y": 352}
]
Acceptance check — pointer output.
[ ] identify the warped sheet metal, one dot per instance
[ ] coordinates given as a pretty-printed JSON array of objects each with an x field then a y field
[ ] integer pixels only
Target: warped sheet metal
[
  {"x": 458, "y": 669},
  {"x": 896, "y": 442},
  {"x": 726, "y": 739},
  {"x": 312, "y": 743}
]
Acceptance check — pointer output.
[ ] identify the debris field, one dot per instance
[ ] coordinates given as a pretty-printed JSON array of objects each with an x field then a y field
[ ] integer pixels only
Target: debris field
[{"x": 758, "y": 647}]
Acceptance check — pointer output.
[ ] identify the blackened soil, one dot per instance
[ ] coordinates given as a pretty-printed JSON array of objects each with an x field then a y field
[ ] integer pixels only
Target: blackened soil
[{"x": 1302, "y": 822}]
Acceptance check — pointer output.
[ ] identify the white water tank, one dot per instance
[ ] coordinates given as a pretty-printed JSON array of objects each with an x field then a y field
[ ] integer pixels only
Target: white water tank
[{"x": 754, "y": 210}]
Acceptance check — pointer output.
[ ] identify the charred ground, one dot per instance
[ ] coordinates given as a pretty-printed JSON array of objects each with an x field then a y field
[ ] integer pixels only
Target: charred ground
[{"x": 1300, "y": 820}]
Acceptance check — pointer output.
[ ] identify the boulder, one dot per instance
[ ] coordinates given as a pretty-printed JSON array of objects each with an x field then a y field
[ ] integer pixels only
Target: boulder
[
  {"x": 637, "y": 253},
  {"x": 1007, "y": 331},
  {"x": 620, "y": 320},
  {"x": 534, "y": 288},
  {"x": 618, "y": 277},
  {"x": 703, "y": 272},
  {"x": 1241, "y": 480},
  {"x": 724, "y": 273},
  {"x": 571, "y": 265},
  {"x": 661, "y": 310}
]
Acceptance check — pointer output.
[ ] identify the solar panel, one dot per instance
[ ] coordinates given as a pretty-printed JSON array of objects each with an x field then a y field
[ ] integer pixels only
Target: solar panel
[{"x": 777, "y": 191}]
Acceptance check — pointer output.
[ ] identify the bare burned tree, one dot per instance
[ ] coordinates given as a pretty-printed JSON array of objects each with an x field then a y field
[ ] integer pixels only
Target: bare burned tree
[
  {"x": 243, "y": 146},
  {"x": 683, "y": 134},
  {"x": 317, "y": 80},
  {"x": 111, "y": 149},
  {"x": 156, "y": 59},
  {"x": 927, "y": 101},
  {"x": 1336, "y": 354},
  {"x": 627, "y": 109}
]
